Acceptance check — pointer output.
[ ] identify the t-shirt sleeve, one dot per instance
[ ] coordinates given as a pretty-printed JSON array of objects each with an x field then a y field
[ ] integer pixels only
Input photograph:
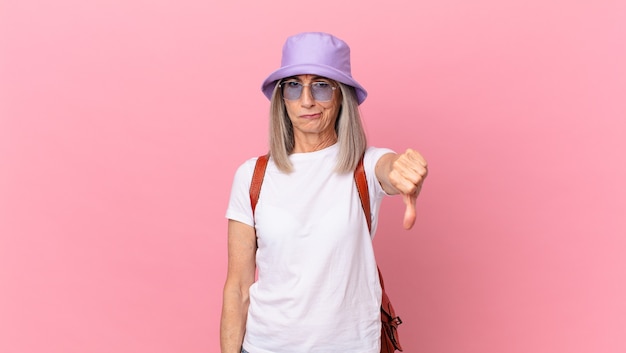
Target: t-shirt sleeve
[
  {"x": 239, "y": 208},
  {"x": 372, "y": 155}
]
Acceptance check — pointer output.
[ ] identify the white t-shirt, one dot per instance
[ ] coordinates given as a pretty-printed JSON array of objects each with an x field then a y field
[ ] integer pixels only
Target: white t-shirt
[{"x": 317, "y": 289}]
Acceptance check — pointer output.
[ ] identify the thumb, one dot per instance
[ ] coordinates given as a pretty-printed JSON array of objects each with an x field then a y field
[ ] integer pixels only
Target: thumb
[{"x": 409, "y": 213}]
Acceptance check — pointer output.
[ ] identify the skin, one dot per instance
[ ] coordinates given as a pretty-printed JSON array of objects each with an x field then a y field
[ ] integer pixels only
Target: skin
[
  {"x": 403, "y": 174},
  {"x": 313, "y": 122},
  {"x": 240, "y": 276},
  {"x": 313, "y": 126}
]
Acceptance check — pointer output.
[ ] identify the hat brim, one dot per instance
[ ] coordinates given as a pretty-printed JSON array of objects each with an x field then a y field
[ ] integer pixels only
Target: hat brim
[{"x": 311, "y": 69}]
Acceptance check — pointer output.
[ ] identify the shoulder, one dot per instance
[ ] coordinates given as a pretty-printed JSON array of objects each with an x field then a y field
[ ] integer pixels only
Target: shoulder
[{"x": 243, "y": 174}]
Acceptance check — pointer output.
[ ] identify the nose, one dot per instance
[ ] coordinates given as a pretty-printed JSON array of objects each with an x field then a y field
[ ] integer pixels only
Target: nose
[{"x": 306, "y": 97}]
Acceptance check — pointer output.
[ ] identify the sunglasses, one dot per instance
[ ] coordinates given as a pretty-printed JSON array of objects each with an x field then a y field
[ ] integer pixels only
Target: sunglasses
[{"x": 322, "y": 91}]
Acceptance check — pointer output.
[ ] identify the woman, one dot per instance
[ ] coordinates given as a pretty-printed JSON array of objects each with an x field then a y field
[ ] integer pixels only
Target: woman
[{"x": 317, "y": 289}]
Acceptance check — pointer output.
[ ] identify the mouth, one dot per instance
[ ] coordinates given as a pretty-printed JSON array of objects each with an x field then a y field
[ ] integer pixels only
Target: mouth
[{"x": 311, "y": 116}]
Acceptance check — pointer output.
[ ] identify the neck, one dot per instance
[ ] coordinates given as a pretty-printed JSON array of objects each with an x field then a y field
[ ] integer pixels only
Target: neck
[{"x": 313, "y": 142}]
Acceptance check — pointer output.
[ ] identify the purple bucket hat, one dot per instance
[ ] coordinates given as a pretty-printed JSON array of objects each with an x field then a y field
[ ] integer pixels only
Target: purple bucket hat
[{"x": 314, "y": 53}]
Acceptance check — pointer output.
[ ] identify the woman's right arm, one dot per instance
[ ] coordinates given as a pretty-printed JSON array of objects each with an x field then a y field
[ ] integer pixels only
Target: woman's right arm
[{"x": 241, "y": 272}]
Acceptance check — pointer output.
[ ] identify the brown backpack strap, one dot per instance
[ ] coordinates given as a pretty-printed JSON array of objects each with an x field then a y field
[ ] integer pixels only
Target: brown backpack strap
[
  {"x": 361, "y": 185},
  {"x": 387, "y": 314},
  {"x": 364, "y": 194},
  {"x": 257, "y": 180}
]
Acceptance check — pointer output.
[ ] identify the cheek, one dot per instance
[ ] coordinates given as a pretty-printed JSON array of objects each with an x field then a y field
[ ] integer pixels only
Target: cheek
[
  {"x": 331, "y": 117},
  {"x": 289, "y": 109},
  {"x": 333, "y": 112}
]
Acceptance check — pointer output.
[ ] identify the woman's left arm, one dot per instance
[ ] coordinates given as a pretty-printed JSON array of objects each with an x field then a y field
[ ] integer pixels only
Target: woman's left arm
[{"x": 403, "y": 174}]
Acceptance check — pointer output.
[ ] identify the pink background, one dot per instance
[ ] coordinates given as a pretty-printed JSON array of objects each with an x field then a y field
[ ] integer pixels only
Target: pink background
[{"x": 122, "y": 123}]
